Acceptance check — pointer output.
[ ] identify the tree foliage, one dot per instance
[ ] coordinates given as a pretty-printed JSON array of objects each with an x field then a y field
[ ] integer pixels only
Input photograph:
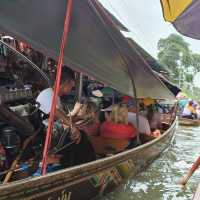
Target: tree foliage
[
  {"x": 195, "y": 62},
  {"x": 174, "y": 52}
]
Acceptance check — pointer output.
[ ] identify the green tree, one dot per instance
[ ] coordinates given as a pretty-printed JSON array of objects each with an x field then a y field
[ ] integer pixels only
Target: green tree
[
  {"x": 188, "y": 77},
  {"x": 174, "y": 53},
  {"x": 195, "y": 58}
]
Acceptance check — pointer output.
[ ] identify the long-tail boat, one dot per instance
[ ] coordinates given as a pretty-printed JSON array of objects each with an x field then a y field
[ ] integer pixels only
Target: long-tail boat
[
  {"x": 188, "y": 122},
  {"x": 95, "y": 47},
  {"x": 92, "y": 179}
]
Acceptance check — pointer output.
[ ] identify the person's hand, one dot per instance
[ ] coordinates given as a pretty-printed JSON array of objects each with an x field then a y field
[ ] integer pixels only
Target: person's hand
[
  {"x": 156, "y": 133},
  {"x": 76, "y": 109},
  {"x": 65, "y": 126},
  {"x": 183, "y": 181},
  {"x": 52, "y": 159},
  {"x": 75, "y": 135}
]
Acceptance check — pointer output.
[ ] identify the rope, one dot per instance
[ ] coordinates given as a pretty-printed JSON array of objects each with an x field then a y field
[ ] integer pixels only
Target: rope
[{"x": 57, "y": 85}]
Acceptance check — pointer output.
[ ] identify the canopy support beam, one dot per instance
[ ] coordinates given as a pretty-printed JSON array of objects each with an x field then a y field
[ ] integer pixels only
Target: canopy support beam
[{"x": 57, "y": 85}]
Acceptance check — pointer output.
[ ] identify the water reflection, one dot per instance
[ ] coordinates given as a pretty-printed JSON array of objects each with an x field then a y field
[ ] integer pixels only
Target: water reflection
[{"x": 159, "y": 181}]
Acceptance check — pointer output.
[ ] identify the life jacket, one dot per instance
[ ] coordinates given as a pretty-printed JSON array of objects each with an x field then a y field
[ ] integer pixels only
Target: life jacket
[{"x": 117, "y": 131}]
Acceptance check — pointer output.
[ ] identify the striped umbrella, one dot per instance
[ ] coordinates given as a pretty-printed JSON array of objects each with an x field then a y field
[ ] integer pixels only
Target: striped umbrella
[{"x": 184, "y": 15}]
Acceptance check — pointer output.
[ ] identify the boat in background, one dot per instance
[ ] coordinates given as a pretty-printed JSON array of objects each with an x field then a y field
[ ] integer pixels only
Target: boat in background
[{"x": 188, "y": 122}]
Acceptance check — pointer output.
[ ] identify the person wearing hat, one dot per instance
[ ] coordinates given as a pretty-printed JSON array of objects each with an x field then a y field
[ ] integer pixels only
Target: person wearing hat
[
  {"x": 148, "y": 101},
  {"x": 189, "y": 111}
]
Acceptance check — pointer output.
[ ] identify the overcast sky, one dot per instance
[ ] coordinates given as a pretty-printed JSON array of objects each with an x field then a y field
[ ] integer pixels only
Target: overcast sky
[{"x": 145, "y": 21}]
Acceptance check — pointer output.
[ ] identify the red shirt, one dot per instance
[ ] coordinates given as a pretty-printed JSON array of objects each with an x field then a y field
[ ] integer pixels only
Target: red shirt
[{"x": 117, "y": 131}]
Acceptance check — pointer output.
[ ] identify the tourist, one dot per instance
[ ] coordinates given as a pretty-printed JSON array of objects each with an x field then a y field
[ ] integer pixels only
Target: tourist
[
  {"x": 90, "y": 117},
  {"x": 189, "y": 111},
  {"x": 143, "y": 126},
  {"x": 74, "y": 154},
  {"x": 117, "y": 126},
  {"x": 154, "y": 118}
]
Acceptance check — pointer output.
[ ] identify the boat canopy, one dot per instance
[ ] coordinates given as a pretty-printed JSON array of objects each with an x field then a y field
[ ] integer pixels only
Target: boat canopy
[
  {"x": 155, "y": 65},
  {"x": 120, "y": 26},
  {"x": 158, "y": 69},
  {"x": 172, "y": 87},
  {"x": 95, "y": 45},
  {"x": 184, "y": 15}
]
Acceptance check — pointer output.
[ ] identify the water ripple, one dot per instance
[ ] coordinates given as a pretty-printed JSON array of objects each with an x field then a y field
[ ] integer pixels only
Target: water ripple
[{"x": 159, "y": 181}]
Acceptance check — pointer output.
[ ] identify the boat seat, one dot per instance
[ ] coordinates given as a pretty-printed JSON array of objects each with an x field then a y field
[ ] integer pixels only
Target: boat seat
[{"x": 104, "y": 146}]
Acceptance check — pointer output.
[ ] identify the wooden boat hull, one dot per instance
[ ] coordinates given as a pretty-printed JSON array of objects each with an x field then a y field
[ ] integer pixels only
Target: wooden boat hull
[
  {"x": 189, "y": 122},
  {"x": 89, "y": 180},
  {"x": 197, "y": 193}
]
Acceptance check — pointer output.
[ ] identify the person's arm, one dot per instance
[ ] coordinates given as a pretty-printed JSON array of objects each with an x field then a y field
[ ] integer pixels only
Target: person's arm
[
  {"x": 75, "y": 133},
  {"x": 65, "y": 118},
  {"x": 45, "y": 100},
  {"x": 60, "y": 114}
]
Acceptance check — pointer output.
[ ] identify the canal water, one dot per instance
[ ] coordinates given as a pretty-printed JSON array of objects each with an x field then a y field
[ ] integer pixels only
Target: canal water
[{"x": 159, "y": 181}]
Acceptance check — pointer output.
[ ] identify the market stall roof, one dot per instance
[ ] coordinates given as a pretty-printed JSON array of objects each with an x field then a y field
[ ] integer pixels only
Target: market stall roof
[{"x": 95, "y": 45}]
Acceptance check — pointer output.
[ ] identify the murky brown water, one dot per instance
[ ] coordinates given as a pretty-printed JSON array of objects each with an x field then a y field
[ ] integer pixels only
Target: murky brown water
[{"x": 159, "y": 181}]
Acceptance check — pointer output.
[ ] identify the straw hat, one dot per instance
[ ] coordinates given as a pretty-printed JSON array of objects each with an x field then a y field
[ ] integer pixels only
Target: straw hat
[{"x": 148, "y": 101}]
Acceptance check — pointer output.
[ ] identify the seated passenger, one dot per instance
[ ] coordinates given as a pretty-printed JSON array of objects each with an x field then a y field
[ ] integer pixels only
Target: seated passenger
[
  {"x": 117, "y": 127},
  {"x": 90, "y": 116},
  {"x": 154, "y": 118},
  {"x": 81, "y": 150},
  {"x": 144, "y": 126},
  {"x": 198, "y": 111},
  {"x": 189, "y": 111}
]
